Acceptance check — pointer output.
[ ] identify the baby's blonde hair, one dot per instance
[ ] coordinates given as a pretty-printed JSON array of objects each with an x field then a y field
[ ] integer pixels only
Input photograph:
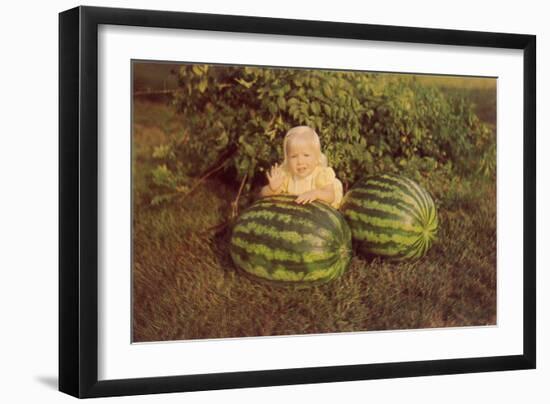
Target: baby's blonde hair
[{"x": 313, "y": 136}]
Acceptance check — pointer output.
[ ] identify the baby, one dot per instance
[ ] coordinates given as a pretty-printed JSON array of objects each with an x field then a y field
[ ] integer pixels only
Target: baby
[{"x": 304, "y": 171}]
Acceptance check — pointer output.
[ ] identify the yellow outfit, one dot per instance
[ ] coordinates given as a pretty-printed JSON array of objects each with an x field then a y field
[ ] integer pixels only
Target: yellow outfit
[{"x": 319, "y": 178}]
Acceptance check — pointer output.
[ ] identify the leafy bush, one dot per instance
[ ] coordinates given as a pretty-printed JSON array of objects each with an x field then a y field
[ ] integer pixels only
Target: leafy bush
[{"x": 236, "y": 118}]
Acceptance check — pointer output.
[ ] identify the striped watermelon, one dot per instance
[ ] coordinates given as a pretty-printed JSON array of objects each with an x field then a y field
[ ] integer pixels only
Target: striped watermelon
[
  {"x": 279, "y": 240},
  {"x": 391, "y": 216}
]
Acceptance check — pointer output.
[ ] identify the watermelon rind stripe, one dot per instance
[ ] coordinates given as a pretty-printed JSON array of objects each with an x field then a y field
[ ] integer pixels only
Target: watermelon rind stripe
[
  {"x": 257, "y": 260},
  {"x": 293, "y": 238},
  {"x": 393, "y": 248},
  {"x": 256, "y": 245},
  {"x": 405, "y": 188},
  {"x": 373, "y": 218},
  {"x": 379, "y": 235},
  {"x": 422, "y": 194},
  {"x": 390, "y": 199},
  {"x": 385, "y": 208},
  {"x": 391, "y": 215},
  {"x": 306, "y": 229},
  {"x": 284, "y": 239},
  {"x": 287, "y": 211},
  {"x": 277, "y": 239},
  {"x": 333, "y": 215},
  {"x": 289, "y": 206},
  {"x": 411, "y": 198}
]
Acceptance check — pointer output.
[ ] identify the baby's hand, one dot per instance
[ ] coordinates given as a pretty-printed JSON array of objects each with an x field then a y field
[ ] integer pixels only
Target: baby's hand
[
  {"x": 275, "y": 177},
  {"x": 307, "y": 197}
]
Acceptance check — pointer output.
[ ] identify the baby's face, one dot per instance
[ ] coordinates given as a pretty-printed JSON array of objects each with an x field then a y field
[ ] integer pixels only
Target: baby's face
[{"x": 302, "y": 157}]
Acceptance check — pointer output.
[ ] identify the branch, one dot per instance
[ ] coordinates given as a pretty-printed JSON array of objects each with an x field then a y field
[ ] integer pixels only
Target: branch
[
  {"x": 234, "y": 212},
  {"x": 205, "y": 176},
  {"x": 235, "y": 203},
  {"x": 152, "y": 92}
]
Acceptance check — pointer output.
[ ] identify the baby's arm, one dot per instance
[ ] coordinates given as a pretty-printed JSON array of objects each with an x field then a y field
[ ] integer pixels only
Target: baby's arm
[
  {"x": 275, "y": 177},
  {"x": 267, "y": 191},
  {"x": 325, "y": 194}
]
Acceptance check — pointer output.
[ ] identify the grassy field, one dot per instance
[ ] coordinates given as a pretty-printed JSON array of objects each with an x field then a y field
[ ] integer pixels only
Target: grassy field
[
  {"x": 186, "y": 287},
  {"x": 480, "y": 91}
]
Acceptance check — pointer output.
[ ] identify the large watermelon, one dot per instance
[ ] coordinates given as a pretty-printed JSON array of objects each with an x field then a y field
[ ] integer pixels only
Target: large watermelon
[
  {"x": 279, "y": 240},
  {"x": 391, "y": 216}
]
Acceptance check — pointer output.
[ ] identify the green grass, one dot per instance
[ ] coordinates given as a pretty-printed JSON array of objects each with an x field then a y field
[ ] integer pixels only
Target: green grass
[
  {"x": 186, "y": 287},
  {"x": 480, "y": 91}
]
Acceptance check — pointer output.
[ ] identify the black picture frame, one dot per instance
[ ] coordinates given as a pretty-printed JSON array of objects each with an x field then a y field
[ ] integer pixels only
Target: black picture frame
[{"x": 78, "y": 201}]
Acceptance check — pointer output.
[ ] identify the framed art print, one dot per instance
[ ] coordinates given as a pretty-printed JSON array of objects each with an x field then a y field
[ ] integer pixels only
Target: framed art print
[{"x": 251, "y": 201}]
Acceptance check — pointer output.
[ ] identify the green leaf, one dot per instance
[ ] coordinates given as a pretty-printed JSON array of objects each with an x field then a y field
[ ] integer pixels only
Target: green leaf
[
  {"x": 203, "y": 85},
  {"x": 162, "y": 151},
  {"x": 315, "y": 107},
  {"x": 281, "y": 103},
  {"x": 197, "y": 70},
  {"x": 361, "y": 117},
  {"x": 368, "y": 157},
  {"x": 244, "y": 83},
  {"x": 249, "y": 149},
  {"x": 161, "y": 199}
]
